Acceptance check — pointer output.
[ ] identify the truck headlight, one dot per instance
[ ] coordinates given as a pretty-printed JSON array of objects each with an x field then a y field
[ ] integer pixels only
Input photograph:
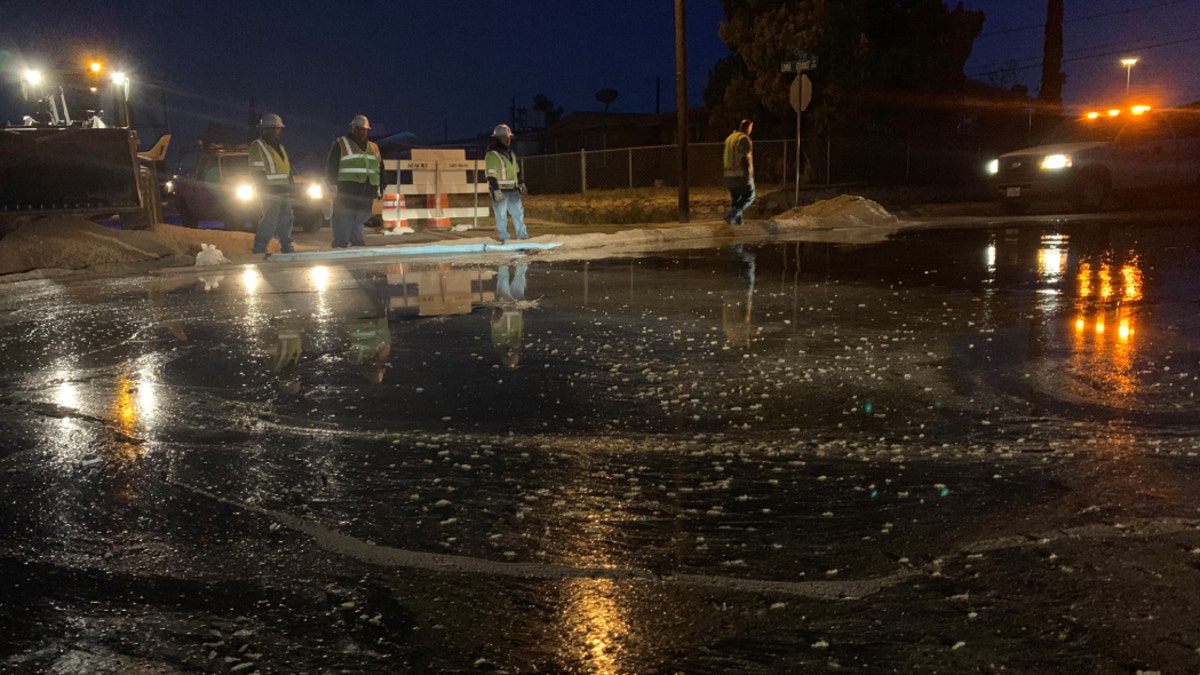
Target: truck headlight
[
  {"x": 993, "y": 167},
  {"x": 315, "y": 191},
  {"x": 1054, "y": 162},
  {"x": 245, "y": 192},
  {"x": 170, "y": 186}
]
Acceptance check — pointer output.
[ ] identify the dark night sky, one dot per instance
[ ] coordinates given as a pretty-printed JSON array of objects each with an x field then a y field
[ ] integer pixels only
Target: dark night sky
[{"x": 452, "y": 67}]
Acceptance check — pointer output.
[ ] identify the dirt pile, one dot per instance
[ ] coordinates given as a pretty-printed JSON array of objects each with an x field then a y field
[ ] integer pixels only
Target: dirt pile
[
  {"x": 58, "y": 243},
  {"x": 846, "y": 218}
]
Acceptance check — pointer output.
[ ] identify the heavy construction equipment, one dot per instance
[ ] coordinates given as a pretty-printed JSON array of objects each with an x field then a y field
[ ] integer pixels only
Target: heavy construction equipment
[{"x": 64, "y": 158}]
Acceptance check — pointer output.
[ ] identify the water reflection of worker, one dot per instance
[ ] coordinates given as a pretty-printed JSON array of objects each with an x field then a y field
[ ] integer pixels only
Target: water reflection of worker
[
  {"x": 370, "y": 346},
  {"x": 508, "y": 324},
  {"x": 737, "y": 300},
  {"x": 283, "y": 349}
]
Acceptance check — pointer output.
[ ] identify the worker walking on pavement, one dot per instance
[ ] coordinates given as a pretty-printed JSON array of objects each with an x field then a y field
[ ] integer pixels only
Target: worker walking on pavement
[
  {"x": 739, "y": 171},
  {"x": 354, "y": 165},
  {"x": 272, "y": 175},
  {"x": 506, "y": 184}
]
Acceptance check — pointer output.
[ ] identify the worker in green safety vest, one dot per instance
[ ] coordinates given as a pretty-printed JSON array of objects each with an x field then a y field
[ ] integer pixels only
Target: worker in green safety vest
[
  {"x": 739, "y": 171},
  {"x": 506, "y": 184},
  {"x": 354, "y": 165},
  {"x": 272, "y": 174}
]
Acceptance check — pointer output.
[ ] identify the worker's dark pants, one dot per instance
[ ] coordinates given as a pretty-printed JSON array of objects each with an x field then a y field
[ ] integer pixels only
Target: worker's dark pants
[
  {"x": 741, "y": 194},
  {"x": 276, "y": 222},
  {"x": 351, "y": 208}
]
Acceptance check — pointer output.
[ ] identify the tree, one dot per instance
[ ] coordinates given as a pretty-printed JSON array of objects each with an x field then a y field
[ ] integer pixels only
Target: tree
[
  {"x": 607, "y": 96},
  {"x": 880, "y": 64},
  {"x": 546, "y": 107}
]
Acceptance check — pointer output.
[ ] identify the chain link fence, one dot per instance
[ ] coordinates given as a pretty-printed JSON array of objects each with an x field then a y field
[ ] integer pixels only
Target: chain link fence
[{"x": 840, "y": 160}]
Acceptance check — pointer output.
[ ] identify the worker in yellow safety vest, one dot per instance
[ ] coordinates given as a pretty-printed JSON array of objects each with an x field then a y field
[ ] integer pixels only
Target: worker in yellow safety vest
[
  {"x": 739, "y": 171},
  {"x": 354, "y": 166},
  {"x": 272, "y": 175},
  {"x": 505, "y": 183}
]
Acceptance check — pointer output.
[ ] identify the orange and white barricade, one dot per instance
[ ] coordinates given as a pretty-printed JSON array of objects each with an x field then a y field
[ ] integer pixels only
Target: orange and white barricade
[
  {"x": 394, "y": 214},
  {"x": 428, "y": 179}
]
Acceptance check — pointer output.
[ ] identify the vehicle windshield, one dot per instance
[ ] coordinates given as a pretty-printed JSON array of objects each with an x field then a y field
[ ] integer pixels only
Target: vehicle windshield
[
  {"x": 1099, "y": 130},
  {"x": 234, "y": 165}
]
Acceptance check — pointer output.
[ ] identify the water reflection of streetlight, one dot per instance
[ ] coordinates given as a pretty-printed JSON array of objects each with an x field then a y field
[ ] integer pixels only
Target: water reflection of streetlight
[
  {"x": 1128, "y": 63},
  {"x": 594, "y": 615}
]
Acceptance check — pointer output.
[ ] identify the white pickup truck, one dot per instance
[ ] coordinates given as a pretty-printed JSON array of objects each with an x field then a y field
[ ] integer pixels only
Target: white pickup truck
[{"x": 1091, "y": 159}]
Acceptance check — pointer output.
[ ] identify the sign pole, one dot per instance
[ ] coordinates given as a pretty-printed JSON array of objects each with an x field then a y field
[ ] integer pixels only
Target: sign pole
[
  {"x": 799, "y": 97},
  {"x": 798, "y": 146}
]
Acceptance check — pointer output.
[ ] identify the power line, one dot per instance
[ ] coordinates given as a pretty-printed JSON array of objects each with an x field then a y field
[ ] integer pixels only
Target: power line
[
  {"x": 1087, "y": 51},
  {"x": 1038, "y": 62},
  {"x": 1118, "y": 12}
]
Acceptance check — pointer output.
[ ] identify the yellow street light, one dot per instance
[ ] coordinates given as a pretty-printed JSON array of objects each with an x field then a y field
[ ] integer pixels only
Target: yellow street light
[
  {"x": 95, "y": 67},
  {"x": 1128, "y": 63}
]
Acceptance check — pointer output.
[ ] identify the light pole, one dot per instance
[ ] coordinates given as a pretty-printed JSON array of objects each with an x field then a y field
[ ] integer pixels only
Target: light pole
[{"x": 1128, "y": 63}]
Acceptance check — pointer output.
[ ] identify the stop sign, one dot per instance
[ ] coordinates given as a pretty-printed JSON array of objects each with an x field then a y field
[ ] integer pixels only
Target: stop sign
[{"x": 801, "y": 94}]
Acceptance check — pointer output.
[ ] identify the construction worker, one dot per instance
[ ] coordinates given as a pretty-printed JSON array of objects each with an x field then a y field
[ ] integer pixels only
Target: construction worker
[
  {"x": 506, "y": 183},
  {"x": 354, "y": 165},
  {"x": 272, "y": 174},
  {"x": 739, "y": 171}
]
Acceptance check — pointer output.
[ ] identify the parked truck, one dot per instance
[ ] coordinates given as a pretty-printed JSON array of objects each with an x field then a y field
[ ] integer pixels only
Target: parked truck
[
  {"x": 64, "y": 158},
  {"x": 1101, "y": 155},
  {"x": 219, "y": 188}
]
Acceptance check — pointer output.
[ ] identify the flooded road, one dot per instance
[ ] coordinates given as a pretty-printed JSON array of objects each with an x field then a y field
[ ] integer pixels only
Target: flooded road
[{"x": 958, "y": 450}]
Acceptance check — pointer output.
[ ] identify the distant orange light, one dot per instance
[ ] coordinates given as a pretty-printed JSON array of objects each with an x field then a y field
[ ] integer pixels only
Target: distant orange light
[
  {"x": 1093, "y": 115},
  {"x": 95, "y": 66},
  {"x": 1139, "y": 109},
  {"x": 1114, "y": 112}
]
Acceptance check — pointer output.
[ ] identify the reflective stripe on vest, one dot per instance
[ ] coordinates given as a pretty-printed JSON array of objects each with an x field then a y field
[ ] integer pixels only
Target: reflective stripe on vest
[
  {"x": 503, "y": 169},
  {"x": 355, "y": 166},
  {"x": 264, "y": 159}
]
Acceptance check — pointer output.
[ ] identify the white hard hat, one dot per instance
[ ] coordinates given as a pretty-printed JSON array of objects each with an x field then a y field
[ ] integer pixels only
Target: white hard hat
[
  {"x": 501, "y": 130},
  {"x": 271, "y": 120},
  {"x": 361, "y": 121}
]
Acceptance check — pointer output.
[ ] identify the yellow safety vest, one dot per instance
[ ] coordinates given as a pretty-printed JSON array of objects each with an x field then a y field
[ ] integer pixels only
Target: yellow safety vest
[
  {"x": 264, "y": 160},
  {"x": 356, "y": 166},
  {"x": 503, "y": 169},
  {"x": 738, "y": 145}
]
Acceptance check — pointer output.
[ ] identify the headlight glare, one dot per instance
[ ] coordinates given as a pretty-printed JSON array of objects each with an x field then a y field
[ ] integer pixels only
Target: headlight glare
[
  {"x": 993, "y": 167},
  {"x": 245, "y": 192},
  {"x": 315, "y": 191},
  {"x": 1056, "y": 162}
]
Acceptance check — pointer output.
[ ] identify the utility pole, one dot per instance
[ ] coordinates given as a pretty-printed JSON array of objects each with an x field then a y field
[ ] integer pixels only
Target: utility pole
[
  {"x": 681, "y": 116},
  {"x": 1052, "y": 54}
]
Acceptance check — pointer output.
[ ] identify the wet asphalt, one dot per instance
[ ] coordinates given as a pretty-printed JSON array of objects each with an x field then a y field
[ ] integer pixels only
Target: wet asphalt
[{"x": 959, "y": 450}]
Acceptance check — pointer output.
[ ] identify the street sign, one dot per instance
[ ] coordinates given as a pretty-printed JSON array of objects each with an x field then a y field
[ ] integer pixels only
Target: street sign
[
  {"x": 801, "y": 94},
  {"x": 798, "y": 66},
  {"x": 800, "y": 62}
]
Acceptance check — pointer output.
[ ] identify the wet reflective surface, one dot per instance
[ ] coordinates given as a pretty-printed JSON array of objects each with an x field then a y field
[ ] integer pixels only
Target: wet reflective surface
[{"x": 956, "y": 450}]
